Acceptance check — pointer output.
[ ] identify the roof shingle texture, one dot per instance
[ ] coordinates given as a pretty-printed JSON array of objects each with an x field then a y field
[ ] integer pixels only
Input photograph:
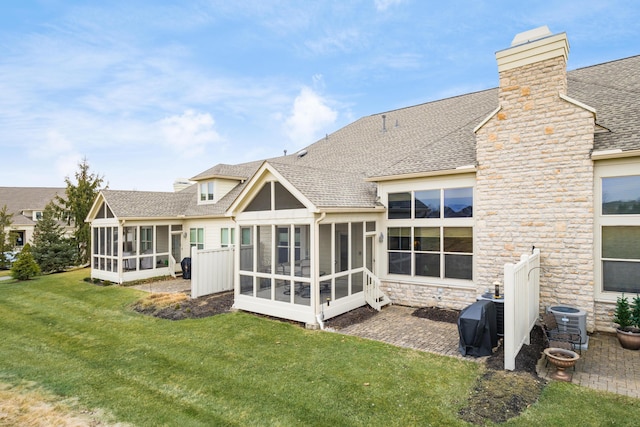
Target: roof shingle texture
[
  {"x": 430, "y": 137},
  {"x": 18, "y": 199}
]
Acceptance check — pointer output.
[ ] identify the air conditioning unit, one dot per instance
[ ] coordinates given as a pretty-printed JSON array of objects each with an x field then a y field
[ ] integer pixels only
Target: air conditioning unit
[{"x": 572, "y": 317}]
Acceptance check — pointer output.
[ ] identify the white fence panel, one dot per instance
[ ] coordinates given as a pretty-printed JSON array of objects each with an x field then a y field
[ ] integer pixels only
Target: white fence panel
[
  {"x": 211, "y": 271},
  {"x": 521, "y": 304},
  {"x": 372, "y": 290}
]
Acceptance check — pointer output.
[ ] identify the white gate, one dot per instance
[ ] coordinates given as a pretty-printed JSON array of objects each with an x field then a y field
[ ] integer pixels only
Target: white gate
[
  {"x": 521, "y": 304},
  {"x": 211, "y": 271}
]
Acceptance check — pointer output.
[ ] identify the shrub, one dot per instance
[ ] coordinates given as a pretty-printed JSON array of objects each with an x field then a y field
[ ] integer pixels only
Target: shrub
[
  {"x": 635, "y": 312},
  {"x": 622, "y": 314},
  {"x": 25, "y": 267}
]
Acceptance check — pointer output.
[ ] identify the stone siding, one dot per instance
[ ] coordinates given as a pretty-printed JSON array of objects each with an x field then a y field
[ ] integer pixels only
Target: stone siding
[
  {"x": 604, "y": 316},
  {"x": 422, "y": 295},
  {"x": 535, "y": 185}
]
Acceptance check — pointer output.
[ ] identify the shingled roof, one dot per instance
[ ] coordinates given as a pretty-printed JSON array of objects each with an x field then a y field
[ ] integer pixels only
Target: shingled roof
[
  {"x": 426, "y": 138},
  {"x": 149, "y": 204},
  {"x": 19, "y": 199}
]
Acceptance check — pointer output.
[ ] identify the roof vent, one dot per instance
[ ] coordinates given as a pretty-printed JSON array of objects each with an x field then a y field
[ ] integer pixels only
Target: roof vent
[
  {"x": 384, "y": 123},
  {"x": 531, "y": 35},
  {"x": 302, "y": 153}
]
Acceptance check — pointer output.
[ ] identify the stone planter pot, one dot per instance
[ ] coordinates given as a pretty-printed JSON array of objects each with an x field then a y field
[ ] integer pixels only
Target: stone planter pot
[
  {"x": 629, "y": 338},
  {"x": 561, "y": 359}
]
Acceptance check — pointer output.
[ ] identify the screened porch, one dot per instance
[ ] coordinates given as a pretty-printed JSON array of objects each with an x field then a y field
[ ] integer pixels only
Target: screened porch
[
  {"x": 301, "y": 271},
  {"x": 122, "y": 253}
]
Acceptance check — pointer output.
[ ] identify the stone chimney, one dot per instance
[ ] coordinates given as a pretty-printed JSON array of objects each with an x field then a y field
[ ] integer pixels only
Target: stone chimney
[
  {"x": 534, "y": 182},
  {"x": 535, "y": 64}
]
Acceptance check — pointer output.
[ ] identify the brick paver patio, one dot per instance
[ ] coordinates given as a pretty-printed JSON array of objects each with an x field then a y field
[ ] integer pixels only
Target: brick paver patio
[{"x": 604, "y": 366}]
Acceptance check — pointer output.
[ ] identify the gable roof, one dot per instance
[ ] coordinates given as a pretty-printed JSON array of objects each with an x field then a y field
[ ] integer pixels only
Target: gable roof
[
  {"x": 329, "y": 188},
  {"x": 19, "y": 199},
  {"x": 147, "y": 204},
  {"x": 239, "y": 172}
]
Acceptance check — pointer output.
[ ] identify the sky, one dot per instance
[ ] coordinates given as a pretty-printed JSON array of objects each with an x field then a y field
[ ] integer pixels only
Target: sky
[{"x": 150, "y": 91}]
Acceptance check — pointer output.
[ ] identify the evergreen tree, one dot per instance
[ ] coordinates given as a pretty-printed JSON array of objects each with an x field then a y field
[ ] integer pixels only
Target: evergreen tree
[
  {"x": 7, "y": 237},
  {"x": 25, "y": 267},
  {"x": 76, "y": 205},
  {"x": 51, "y": 250}
]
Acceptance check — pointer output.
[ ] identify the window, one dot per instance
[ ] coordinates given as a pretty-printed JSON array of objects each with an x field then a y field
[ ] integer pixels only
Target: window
[
  {"x": 19, "y": 238},
  {"x": 206, "y": 191},
  {"x": 427, "y": 204},
  {"x": 103, "y": 212},
  {"x": 458, "y": 203},
  {"x": 621, "y": 195},
  {"x": 262, "y": 200},
  {"x": 283, "y": 246},
  {"x": 426, "y": 245},
  {"x": 282, "y": 199},
  {"x": 620, "y": 233},
  {"x": 196, "y": 237},
  {"x": 432, "y": 233},
  {"x": 278, "y": 268},
  {"x": 246, "y": 249},
  {"x": 399, "y": 205},
  {"x": 440, "y": 252},
  {"x": 399, "y": 241},
  {"x": 455, "y": 203},
  {"x": 105, "y": 249},
  {"x": 130, "y": 241},
  {"x": 227, "y": 237},
  {"x": 146, "y": 240}
]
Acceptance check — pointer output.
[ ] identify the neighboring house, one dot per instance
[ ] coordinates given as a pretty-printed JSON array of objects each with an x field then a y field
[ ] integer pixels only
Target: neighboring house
[
  {"x": 432, "y": 200},
  {"x": 27, "y": 204}
]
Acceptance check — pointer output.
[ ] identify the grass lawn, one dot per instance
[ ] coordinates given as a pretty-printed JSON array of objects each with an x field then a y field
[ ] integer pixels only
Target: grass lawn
[
  {"x": 81, "y": 341},
  {"x": 5, "y": 273}
]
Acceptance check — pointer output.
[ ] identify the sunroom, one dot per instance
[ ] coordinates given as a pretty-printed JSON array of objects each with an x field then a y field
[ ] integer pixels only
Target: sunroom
[
  {"x": 296, "y": 261},
  {"x": 125, "y": 250}
]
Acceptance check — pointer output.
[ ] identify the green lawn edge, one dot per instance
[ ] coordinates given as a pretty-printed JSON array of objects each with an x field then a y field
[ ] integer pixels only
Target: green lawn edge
[{"x": 78, "y": 340}]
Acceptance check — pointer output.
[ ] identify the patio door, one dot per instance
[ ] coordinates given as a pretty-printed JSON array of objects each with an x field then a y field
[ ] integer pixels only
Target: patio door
[
  {"x": 370, "y": 259},
  {"x": 176, "y": 252}
]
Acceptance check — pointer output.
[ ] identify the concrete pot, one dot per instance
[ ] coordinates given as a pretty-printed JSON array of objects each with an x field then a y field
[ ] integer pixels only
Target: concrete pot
[{"x": 629, "y": 338}]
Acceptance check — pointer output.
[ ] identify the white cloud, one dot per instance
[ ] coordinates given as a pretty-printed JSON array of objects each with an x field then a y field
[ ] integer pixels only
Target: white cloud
[
  {"x": 341, "y": 41},
  {"x": 189, "y": 133},
  {"x": 58, "y": 151},
  {"x": 382, "y": 5},
  {"x": 310, "y": 115}
]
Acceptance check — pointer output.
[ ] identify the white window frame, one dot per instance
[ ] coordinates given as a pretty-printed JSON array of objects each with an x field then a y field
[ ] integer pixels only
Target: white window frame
[
  {"x": 436, "y": 183},
  {"x": 609, "y": 169},
  {"x": 197, "y": 243},
  {"x": 206, "y": 192},
  {"x": 227, "y": 237}
]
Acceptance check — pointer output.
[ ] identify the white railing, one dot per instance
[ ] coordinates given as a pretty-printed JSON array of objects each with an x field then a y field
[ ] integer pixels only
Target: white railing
[
  {"x": 521, "y": 304},
  {"x": 211, "y": 271},
  {"x": 372, "y": 293}
]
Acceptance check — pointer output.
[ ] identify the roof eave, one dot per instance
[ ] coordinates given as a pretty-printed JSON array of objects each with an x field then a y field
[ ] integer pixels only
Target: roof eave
[
  {"x": 614, "y": 154},
  {"x": 425, "y": 174},
  {"x": 218, "y": 176},
  {"x": 332, "y": 210}
]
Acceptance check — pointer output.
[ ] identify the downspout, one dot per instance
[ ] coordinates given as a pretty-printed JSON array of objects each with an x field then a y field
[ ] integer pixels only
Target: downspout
[
  {"x": 319, "y": 316},
  {"x": 120, "y": 255}
]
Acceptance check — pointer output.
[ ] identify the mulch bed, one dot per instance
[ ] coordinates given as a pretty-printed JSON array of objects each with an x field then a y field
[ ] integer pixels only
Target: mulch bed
[{"x": 196, "y": 308}]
